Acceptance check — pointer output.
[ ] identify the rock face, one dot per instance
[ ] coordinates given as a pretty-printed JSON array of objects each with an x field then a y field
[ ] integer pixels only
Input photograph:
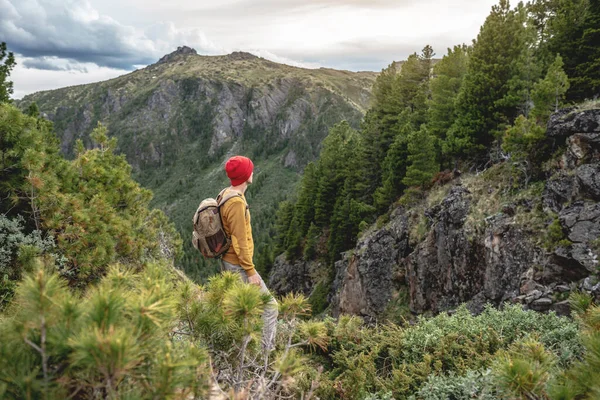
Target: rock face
[
  {"x": 439, "y": 272},
  {"x": 298, "y": 277},
  {"x": 367, "y": 277},
  {"x": 569, "y": 122},
  {"x": 500, "y": 261}
]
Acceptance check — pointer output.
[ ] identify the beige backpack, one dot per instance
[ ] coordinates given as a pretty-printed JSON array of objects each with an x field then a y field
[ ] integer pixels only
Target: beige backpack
[{"x": 208, "y": 236}]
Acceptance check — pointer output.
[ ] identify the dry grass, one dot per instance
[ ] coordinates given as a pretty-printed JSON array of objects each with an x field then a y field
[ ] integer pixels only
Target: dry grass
[
  {"x": 588, "y": 105},
  {"x": 494, "y": 189}
]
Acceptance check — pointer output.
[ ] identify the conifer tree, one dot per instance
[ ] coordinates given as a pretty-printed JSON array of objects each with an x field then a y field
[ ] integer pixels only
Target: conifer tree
[
  {"x": 481, "y": 111},
  {"x": 25, "y": 141},
  {"x": 421, "y": 158},
  {"x": 549, "y": 93},
  {"x": 411, "y": 93},
  {"x": 112, "y": 343},
  {"x": 310, "y": 248},
  {"x": 349, "y": 211},
  {"x": 573, "y": 33},
  {"x": 306, "y": 199},
  {"x": 526, "y": 68},
  {"x": 284, "y": 216},
  {"x": 394, "y": 170},
  {"x": 332, "y": 165},
  {"x": 93, "y": 207},
  {"x": 448, "y": 75},
  {"x": 7, "y": 63}
]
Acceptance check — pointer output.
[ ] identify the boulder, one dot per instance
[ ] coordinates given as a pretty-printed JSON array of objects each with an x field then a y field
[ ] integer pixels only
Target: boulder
[
  {"x": 562, "y": 308},
  {"x": 582, "y": 221},
  {"x": 541, "y": 304},
  {"x": 558, "y": 190}
]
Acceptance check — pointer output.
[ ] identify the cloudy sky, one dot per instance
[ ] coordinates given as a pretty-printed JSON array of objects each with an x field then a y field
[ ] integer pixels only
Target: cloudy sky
[{"x": 66, "y": 42}]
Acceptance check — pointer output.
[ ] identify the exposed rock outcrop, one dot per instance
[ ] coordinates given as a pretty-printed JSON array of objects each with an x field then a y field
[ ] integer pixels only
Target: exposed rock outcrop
[
  {"x": 568, "y": 122},
  {"x": 181, "y": 51},
  {"x": 366, "y": 278},
  {"x": 297, "y": 277},
  {"x": 503, "y": 259},
  {"x": 439, "y": 271}
]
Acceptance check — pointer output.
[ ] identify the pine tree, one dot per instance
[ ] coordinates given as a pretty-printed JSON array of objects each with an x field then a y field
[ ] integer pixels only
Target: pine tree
[
  {"x": 94, "y": 208},
  {"x": 549, "y": 93},
  {"x": 394, "y": 170},
  {"x": 25, "y": 142},
  {"x": 573, "y": 33},
  {"x": 448, "y": 77},
  {"x": 112, "y": 343},
  {"x": 586, "y": 83},
  {"x": 421, "y": 158},
  {"x": 284, "y": 216},
  {"x": 7, "y": 63},
  {"x": 520, "y": 138},
  {"x": 411, "y": 94},
  {"x": 521, "y": 142},
  {"x": 526, "y": 67},
  {"x": 312, "y": 237},
  {"x": 305, "y": 210},
  {"x": 482, "y": 113},
  {"x": 331, "y": 168}
]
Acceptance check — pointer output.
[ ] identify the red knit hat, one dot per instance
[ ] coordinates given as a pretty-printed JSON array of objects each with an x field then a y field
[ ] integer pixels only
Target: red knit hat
[{"x": 239, "y": 169}]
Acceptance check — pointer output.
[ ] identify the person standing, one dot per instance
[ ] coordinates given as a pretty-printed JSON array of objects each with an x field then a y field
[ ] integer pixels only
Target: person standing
[{"x": 235, "y": 216}]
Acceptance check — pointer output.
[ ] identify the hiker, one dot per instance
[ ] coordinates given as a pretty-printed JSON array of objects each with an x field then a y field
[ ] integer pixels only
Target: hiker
[{"x": 236, "y": 223}]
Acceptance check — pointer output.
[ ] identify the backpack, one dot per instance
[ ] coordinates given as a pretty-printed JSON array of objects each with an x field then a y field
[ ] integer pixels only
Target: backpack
[{"x": 208, "y": 235}]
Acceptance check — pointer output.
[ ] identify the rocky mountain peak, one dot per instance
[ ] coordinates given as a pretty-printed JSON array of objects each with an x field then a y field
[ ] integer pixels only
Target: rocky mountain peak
[
  {"x": 181, "y": 50},
  {"x": 241, "y": 55}
]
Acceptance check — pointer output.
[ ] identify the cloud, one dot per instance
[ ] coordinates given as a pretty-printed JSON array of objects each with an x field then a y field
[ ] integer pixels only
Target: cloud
[
  {"x": 283, "y": 60},
  {"x": 67, "y": 37},
  {"x": 30, "y": 80},
  {"x": 53, "y": 64},
  {"x": 264, "y": 8},
  {"x": 74, "y": 30}
]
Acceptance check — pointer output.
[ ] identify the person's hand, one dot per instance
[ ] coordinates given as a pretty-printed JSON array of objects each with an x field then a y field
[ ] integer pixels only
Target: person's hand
[{"x": 254, "y": 279}]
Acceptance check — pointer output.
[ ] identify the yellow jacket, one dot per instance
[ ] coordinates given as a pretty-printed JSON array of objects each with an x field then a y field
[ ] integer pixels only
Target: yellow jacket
[{"x": 236, "y": 223}]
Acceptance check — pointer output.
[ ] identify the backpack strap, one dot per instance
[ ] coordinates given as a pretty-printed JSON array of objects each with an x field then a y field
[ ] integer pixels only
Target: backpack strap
[{"x": 222, "y": 200}]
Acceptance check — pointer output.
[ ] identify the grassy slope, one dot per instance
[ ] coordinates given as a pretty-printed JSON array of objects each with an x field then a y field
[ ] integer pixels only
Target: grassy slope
[{"x": 248, "y": 71}]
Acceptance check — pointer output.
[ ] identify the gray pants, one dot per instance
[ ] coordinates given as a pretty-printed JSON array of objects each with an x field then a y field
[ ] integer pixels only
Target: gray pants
[{"x": 271, "y": 310}]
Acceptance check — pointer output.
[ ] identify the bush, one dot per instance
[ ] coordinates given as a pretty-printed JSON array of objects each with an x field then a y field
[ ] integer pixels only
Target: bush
[
  {"x": 114, "y": 342},
  {"x": 364, "y": 360},
  {"x": 18, "y": 252},
  {"x": 473, "y": 385}
]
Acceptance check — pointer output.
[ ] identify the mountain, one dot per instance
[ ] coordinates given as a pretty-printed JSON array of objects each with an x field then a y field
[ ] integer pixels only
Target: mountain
[{"x": 177, "y": 121}]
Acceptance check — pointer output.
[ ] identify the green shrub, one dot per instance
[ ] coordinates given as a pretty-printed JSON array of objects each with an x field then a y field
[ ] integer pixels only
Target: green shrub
[
  {"x": 114, "y": 342},
  {"x": 555, "y": 236},
  {"x": 472, "y": 385},
  {"x": 18, "y": 253}
]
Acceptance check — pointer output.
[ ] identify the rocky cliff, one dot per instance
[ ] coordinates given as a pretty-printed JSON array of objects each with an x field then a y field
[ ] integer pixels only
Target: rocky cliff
[{"x": 475, "y": 241}]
